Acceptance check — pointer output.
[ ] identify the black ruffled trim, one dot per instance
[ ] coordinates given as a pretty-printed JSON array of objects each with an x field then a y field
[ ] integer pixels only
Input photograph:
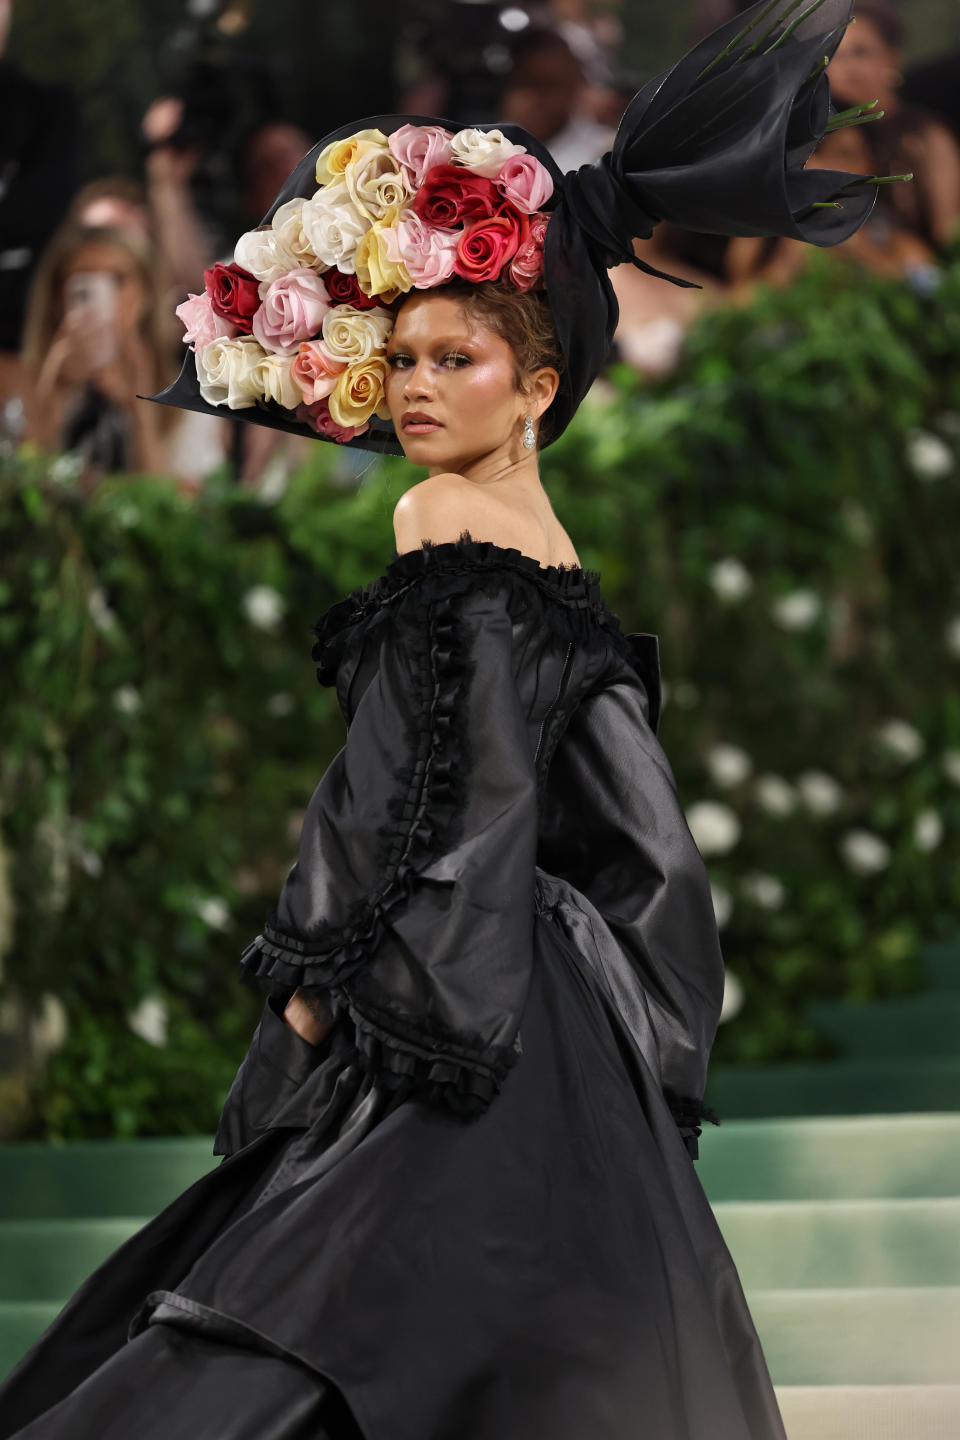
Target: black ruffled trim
[
  {"x": 568, "y": 599},
  {"x": 689, "y": 1115}
]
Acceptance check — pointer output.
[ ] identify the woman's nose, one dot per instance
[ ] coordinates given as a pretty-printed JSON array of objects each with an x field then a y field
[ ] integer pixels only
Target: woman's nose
[{"x": 418, "y": 381}]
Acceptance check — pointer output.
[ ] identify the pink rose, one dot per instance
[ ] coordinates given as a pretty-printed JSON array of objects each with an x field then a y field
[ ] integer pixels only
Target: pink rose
[
  {"x": 315, "y": 371},
  {"x": 484, "y": 248},
  {"x": 525, "y": 183},
  {"x": 526, "y": 267},
  {"x": 292, "y": 310},
  {"x": 417, "y": 148},
  {"x": 427, "y": 253},
  {"x": 201, "y": 323},
  {"x": 318, "y": 417}
]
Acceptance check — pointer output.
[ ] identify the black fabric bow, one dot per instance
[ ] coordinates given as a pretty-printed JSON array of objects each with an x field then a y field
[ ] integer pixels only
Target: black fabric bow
[{"x": 718, "y": 144}]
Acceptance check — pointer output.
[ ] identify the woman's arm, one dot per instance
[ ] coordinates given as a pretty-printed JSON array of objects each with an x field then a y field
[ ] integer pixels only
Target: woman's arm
[{"x": 309, "y": 1015}]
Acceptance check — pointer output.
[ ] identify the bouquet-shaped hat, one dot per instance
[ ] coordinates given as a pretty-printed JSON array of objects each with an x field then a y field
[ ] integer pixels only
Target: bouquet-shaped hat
[{"x": 292, "y": 333}]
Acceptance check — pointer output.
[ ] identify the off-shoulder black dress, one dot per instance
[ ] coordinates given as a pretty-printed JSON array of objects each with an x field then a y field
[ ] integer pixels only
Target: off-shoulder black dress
[{"x": 472, "y": 1212}]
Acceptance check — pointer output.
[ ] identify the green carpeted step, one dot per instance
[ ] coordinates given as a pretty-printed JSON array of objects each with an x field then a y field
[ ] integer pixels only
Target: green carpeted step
[
  {"x": 99, "y": 1177},
  {"x": 918, "y": 1025},
  {"x": 942, "y": 962},
  {"x": 49, "y": 1259},
  {"x": 836, "y": 1087},
  {"x": 833, "y": 1244},
  {"x": 860, "y": 1337},
  {"x": 863, "y": 1157},
  {"x": 870, "y": 1412},
  {"x": 20, "y": 1325}
]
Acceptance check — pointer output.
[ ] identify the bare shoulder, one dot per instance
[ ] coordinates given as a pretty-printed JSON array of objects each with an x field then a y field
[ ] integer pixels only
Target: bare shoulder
[{"x": 439, "y": 509}]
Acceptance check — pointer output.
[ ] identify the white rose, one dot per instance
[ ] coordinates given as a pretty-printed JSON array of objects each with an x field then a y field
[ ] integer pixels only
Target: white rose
[
  {"x": 729, "y": 765},
  {"x": 264, "y": 607},
  {"x": 288, "y": 227},
  {"x": 797, "y": 611},
  {"x": 774, "y": 795},
  {"x": 927, "y": 830},
  {"x": 730, "y": 579},
  {"x": 722, "y": 904},
  {"x": 714, "y": 827},
  {"x": 274, "y": 382},
  {"x": 764, "y": 890},
  {"x": 901, "y": 740},
  {"x": 821, "y": 794},
  {"x": 149, "y": 1020},
  {"x": 951, "y": 765},
  {"x": 485, "y": 152},
  {"x": 127, "y": 700},
  {"x": 953, "y": 638},
  {"x": 332, "y": 226},
  {"x": 214, "y": 912},
  {"x": 732, "y": 997},
  {"x": 263, "y": 254},
  {"x": 375, "y": 183},
  {"x": 226, "y": 370},
  {"x": 929, "y": 457},
  {"x": 864, "y": 852},
  {"x": 351, "y": 335}
]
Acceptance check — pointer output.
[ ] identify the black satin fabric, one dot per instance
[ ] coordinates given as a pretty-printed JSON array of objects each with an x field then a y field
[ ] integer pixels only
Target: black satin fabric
[
  {"x": 721, "y": 152},
  {"x": 542, "y": 1262}
]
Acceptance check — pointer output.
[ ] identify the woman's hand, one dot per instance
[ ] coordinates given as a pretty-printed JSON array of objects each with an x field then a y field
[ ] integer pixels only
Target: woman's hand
[{"x": 309, "y": 1016}]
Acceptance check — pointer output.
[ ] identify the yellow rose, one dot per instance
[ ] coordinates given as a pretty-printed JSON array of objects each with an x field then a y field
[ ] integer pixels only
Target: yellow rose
[
  {"x": 359, "y": 393},
  {"x": 335, "y": 157},
  {"x": 376, "y": 273}
]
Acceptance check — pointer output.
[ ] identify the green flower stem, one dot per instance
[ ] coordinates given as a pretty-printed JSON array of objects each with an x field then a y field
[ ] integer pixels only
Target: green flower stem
[
  {"x": 794, "y": 25},
  {"x": 742, "y": 35}
]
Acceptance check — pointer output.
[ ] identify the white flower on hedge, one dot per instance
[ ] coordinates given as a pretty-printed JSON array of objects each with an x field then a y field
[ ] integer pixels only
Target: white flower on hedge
[
  {"x": 686, "y": 696},
  {"x": 149, "y": 1020},
  {"x": 714, "y": 827},
  {"x": 732, "y": 997},
  {"x": 728, "y": 765},
  {"x": 775, "y": 795},
  {"x": 49, "y": 1029},
  {"x": 951, "y": 765},
  {"x": 214, "y": 912},
  {"x": 722, "y": 904},
  {"x": 901, "y": 740},
  {"x": 90, "y": 862},
  {"x": 764, "y": 890},
  {"x": 264, "y": 607},
  {"x": 864, "y": 852},
  {"x": 128, "y": 516},
  {"x": 127, "y": 700},
  {"x": 820, "y": 793},
  {"x": 102, "y": 616},
  {"x": 66, "y": 468},
  {"x": 731, "y": 579},
  {"x": 953, "y": 638},
  {"x": 858, "y": 523},
  {"x": 927, "y": 830},
  {"x": 798, "y": 610},
  {"x": 929, "y": 457},
  {"x": 281, "y": 705}
]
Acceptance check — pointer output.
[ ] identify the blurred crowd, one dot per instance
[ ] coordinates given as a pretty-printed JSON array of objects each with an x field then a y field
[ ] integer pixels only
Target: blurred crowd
[{"x": 91, "y": 273}]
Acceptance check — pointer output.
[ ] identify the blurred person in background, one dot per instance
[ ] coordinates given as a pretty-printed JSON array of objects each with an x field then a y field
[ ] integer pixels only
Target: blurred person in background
[
  {"x": 544, "y": 91},
  {"x": 265, "y": 157},
  {"x": 39, "y": 161},
  {"x": 114, "y": 202},
  {"x": 97, "y": 332},
  {"x": 867, "y": 67}
]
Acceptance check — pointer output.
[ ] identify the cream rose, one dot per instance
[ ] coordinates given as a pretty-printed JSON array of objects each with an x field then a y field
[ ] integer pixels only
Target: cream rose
[
  {"x": 333, "y": 226},
  {"x": 485, "y": 152},
  {"x": 227, "y": 372},
  {"x": 274, "y": 381},
  {"x": 376, "y": 184},
  {"x": 334, "y": 159},
  {"x": 359, "y": 393},
  {"x": 261, "y": 254},
  {"x": 291, "y": 240},
  {"x": 354, "y": 335},
  {"x": 379, "y": 270}
]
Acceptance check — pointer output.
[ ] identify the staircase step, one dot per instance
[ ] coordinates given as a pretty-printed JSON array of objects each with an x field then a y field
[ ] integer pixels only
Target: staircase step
[
  {"x": 917, "y": 1025},
  {"x": 874, "y": 1336},
  {"x": 870, "y": 1412},
  {"x": 20, "y": 1325},
  {"x": 942, "y": 963},
  {"x": 99, "y": 1177},
  {"x": 796, "y": 1244},
  {"x": 836, "y": 1087},
  {"x": 862, "y": 1157},
  {"x": 48, "y": 1259}
]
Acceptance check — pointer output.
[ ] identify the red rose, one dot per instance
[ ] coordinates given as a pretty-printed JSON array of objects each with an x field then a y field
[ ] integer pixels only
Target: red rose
[
  {"x": 449, "y": 195},
  {"x": 318, "y": 417},
  {"x": 345, "y": 290},
  {"x": 234, "y": 294},
  {"x": 484, "y": 249}
]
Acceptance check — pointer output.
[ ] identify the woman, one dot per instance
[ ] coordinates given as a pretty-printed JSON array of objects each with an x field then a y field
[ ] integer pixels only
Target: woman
[{"x": 458, "y": 1197}]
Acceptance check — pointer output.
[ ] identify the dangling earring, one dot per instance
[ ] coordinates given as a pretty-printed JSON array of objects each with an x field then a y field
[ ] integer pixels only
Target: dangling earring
[{"x": 529, "y": 437}]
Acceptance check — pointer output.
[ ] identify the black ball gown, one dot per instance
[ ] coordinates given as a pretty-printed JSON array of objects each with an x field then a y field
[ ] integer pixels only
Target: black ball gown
[{"x": 472, "y": 1212}]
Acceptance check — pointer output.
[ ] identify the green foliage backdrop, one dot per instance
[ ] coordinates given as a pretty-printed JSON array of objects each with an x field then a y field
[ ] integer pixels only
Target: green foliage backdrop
[{"x": 783, "y": 511}]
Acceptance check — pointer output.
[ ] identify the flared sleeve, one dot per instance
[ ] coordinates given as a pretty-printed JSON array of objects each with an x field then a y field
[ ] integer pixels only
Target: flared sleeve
[
  {"x": 614, "y": 828},
  {"x": 411, "y": 900}
]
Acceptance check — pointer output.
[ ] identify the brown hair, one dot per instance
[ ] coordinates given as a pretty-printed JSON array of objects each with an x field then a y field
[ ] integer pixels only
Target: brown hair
[
  {"x": 521, "y": 317},
  {"x": 885, "y": 19}
]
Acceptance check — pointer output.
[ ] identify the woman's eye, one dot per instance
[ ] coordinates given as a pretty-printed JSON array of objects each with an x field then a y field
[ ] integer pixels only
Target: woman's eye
[
  {"x": 397, "y": 360},
  {"x": 455, "y": 359}
]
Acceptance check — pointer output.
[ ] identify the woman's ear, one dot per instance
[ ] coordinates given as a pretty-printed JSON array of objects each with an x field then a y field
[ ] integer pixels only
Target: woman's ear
[{"x": 543, "y": 387}]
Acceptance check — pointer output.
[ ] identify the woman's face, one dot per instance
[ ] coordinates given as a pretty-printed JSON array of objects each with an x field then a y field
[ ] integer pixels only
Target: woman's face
[
  {"x": 865, "y": 67},
  {"x": 129, "y": 294},
  {"x": 451, "y": 387}
]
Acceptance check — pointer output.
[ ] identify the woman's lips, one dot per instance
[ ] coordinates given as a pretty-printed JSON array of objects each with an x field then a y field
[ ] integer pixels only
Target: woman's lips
[{"x": 421, "y": 427}]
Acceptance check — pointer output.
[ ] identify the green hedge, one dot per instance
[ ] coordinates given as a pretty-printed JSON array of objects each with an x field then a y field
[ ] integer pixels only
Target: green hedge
[{"x": 783, "y": 511}]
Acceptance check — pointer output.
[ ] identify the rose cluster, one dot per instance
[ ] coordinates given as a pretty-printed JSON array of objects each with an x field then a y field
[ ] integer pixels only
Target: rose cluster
[{"x": 302, "y": 315}]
